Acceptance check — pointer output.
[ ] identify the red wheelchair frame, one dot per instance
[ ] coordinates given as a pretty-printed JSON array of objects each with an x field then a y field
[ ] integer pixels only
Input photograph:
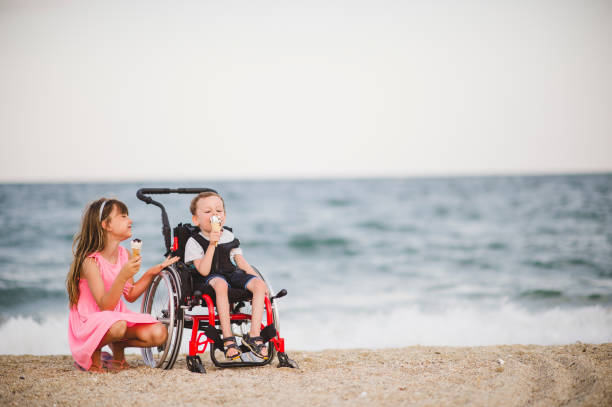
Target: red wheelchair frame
[{"x": 200, "y": 340}]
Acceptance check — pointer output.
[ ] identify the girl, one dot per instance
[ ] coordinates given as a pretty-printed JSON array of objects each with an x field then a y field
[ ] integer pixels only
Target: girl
[{"x": 100, "y": 272}]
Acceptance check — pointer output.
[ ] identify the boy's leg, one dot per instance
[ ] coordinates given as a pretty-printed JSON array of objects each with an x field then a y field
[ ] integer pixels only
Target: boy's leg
[
  {"x": 220, "y": 287},
  {"x": 258, "y": 288}
]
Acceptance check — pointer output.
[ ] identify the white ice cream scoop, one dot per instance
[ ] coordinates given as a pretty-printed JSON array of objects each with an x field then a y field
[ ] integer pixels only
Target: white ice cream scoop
[{"x": 136, "y": 245}]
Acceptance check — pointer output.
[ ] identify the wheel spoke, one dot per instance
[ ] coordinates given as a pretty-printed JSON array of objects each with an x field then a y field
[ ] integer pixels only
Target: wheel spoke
[{"x": 161, "y": 301}]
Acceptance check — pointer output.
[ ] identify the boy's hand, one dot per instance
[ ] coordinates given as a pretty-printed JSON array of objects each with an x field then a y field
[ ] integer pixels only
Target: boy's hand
[
  {"x": 215, "y": 236},
  {"x": 132, "y": 266}
]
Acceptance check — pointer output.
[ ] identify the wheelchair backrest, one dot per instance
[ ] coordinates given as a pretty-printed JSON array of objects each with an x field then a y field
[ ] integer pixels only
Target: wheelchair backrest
[{"x": 182, "y": 232}]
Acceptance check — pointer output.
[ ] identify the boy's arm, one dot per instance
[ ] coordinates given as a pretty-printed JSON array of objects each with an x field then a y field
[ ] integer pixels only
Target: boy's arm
[
  {"x": 196, "y": 254},
  {"x": 203, "y": 264},
  {"x": 244, "y": 265}
]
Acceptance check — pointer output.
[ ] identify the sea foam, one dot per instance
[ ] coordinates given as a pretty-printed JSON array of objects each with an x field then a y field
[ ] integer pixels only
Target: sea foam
[
  {"x": 466, "y": 326},
  {"x": 510, "y": 324}
]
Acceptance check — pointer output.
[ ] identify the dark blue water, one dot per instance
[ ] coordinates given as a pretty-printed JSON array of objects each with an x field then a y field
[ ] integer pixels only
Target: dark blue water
[{"x": 456, "y": 261}]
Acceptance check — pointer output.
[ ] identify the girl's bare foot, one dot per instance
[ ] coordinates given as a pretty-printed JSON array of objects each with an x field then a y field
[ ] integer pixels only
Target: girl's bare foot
[
  {"x": 118, "y": 350},
  {"x": 117, "y": 361},
  {"x": 116, "y": 365},
  {"x": 96, "y": 363}
]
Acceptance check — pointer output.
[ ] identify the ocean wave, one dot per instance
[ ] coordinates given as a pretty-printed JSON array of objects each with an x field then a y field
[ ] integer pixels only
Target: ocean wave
[
  {"x": 550, "y": 297},
  {"x": 464, "y": 326},
  {"x": 373, "y": 225},
  {"x": 305, "y": 242},
  {"x": 303, "y": 330},
  {"x": 339, "y": 202},
  {"x": 13, "y": 296},
  {"x": 497, "y": 246},
  {"x": 27, "y": 335},
  {"x": 592, "y": 215},
  {"x": 561, "y": 264},
  {"x": 537, "y": 294}
]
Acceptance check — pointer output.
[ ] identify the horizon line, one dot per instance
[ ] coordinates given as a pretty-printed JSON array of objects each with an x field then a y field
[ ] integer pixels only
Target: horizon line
[{"x": 298, "y": 178}]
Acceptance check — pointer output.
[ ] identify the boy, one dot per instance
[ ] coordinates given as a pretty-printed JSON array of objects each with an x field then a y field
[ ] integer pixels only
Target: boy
[{"x": 218, "y": 257}]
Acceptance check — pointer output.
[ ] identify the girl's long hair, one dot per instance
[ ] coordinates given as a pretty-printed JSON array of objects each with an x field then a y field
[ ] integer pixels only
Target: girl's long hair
[{"x": 91, "y": 239}]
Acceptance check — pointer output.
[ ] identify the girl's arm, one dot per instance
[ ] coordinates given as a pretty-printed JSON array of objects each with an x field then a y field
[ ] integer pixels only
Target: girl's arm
[
  {"x": 143, "y": 282},
  {"x": 107, "y": 300}
]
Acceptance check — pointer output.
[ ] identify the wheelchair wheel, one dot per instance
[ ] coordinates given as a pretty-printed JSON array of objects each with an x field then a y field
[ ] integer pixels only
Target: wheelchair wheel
[
  {"x": 274, "y": 304},
  {"x": 162, "y": 302}
]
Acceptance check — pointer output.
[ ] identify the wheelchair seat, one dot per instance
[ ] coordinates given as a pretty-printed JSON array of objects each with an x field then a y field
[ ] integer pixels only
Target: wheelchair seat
[{"x": 234, "y": 294}]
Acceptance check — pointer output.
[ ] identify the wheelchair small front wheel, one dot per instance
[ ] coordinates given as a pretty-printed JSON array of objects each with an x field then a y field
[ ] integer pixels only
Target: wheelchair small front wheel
[{"x": 161, "y": 300}]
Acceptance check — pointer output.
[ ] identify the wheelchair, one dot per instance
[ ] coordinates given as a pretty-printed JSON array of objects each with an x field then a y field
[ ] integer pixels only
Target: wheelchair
[{"x": 179, "y": 298}]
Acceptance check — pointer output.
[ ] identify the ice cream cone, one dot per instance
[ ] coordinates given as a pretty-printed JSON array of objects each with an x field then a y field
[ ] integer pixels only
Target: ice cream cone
[
  {"x": 136, "y": 245},
  {"x": 215, "y": 224}
]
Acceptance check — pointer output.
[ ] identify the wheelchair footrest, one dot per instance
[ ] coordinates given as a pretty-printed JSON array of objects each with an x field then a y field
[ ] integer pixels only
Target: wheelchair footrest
[
  {"x": 194, "y": 364},
  {"x": 215, "y": 335},
  {"x": 268, "y": 333}
]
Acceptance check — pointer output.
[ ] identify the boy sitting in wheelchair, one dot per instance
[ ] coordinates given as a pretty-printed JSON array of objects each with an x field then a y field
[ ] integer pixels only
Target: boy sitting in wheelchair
[{"x": 216, "y": 255}]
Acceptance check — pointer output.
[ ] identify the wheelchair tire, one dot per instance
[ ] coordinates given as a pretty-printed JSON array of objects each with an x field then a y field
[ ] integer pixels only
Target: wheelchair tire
[
  {"x": 274, "y": 304},
  {"x": 161, "y": 300}
]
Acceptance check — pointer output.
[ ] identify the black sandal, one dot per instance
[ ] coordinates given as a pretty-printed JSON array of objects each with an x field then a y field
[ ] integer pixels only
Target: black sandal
[
  {"x": 231, "y": 346},
  {"x": 251, "y": 343}
]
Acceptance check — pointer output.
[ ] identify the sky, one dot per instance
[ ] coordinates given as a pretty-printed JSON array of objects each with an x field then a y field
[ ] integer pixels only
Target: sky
[{"x": 152, "y": 90}]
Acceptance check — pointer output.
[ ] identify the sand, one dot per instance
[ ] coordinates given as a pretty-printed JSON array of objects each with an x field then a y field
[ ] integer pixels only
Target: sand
[{"x": 517, "y": 375}]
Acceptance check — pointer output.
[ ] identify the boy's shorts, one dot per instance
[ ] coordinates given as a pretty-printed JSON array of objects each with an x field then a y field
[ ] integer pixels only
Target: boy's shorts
[{"x": 235, "y": 279}]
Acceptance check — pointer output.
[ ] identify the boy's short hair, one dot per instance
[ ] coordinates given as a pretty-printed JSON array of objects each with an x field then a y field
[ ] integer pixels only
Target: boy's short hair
[{"x": 202, "y": 195}]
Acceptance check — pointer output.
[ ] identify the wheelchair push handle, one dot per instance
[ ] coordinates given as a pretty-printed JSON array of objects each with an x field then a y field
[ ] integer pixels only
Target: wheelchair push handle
[
  {"x": 280, "y": 294},
  {"x": 142, "y": 195},
  {"x": 142, "y": 192}
]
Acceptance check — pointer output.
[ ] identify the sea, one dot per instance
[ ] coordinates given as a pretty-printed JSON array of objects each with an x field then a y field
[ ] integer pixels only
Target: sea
[{"x": 367, "y": 263}]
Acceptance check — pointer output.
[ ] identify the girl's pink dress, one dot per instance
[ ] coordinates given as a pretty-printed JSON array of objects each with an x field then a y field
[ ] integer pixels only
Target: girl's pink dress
[{"x": 87, "y": 325}]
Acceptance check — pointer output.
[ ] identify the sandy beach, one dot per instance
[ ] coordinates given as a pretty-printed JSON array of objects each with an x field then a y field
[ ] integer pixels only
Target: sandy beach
[{"x": 517, "y": 375}]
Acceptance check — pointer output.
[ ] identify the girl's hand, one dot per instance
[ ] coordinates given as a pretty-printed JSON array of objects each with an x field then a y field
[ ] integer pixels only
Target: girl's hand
[
  {"x": 169, "y": 261},
  {"x": 132, "y": 266}
]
